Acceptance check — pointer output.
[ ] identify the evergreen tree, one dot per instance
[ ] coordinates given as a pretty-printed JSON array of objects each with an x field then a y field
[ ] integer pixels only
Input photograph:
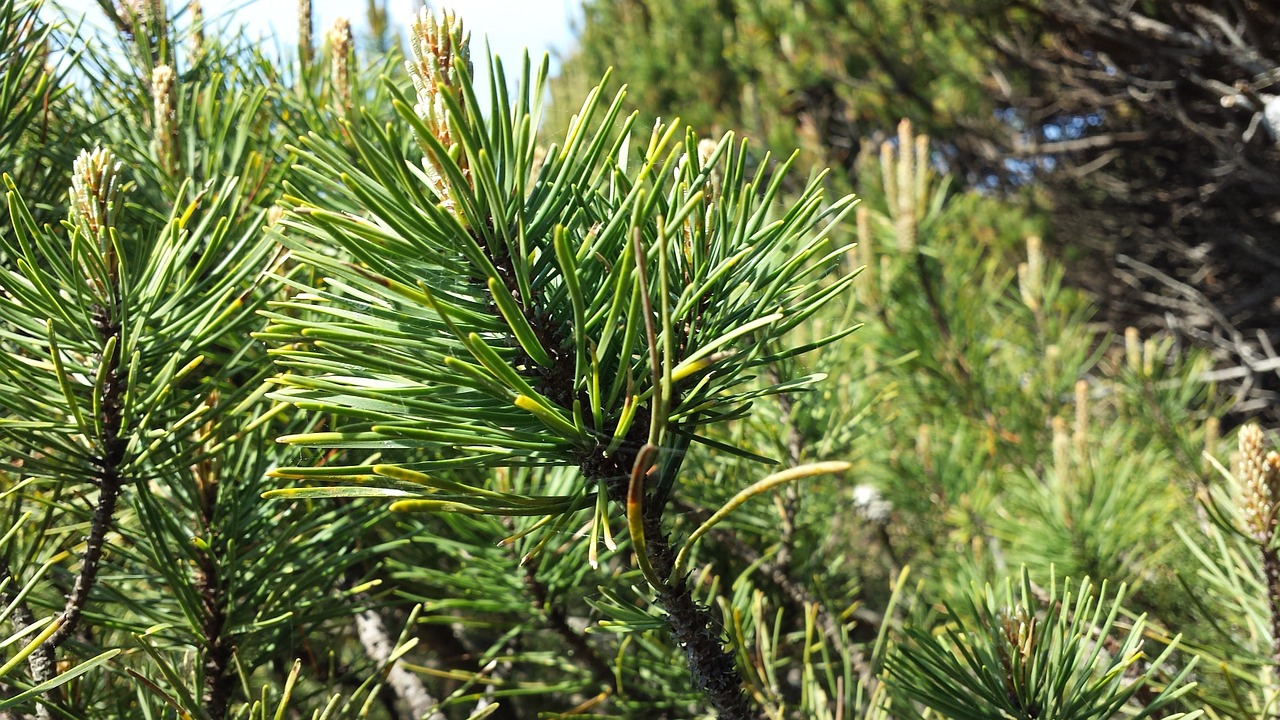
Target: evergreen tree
[{"x": 334, "y": 391}]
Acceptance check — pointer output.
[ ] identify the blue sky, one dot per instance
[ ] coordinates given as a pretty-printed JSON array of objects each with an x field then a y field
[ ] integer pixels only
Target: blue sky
[{"x": 510, "y": 25}]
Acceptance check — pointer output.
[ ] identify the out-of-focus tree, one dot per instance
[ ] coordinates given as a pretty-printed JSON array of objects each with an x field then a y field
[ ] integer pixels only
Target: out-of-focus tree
[
  {"x": 1173, "y": 172},
  {"x": 1150, "y": 131},
  {"x": 818, "y": 74}
]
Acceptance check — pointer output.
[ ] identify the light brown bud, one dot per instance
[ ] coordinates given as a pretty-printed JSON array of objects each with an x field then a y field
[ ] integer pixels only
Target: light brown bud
[
  {"x": 340, "y": 46},
  {"x": 1061, "y": 447},
  {"x": 164, "y": 119},
  {"x": 306, "y": 31},
  {"x": 197, "y": 29},
  {"x": 1258, "y": 471},
  {"x": 1133, "y": 348},
  {"x": 1080, "y": 436},
  {"x": 905, "y": 209}
]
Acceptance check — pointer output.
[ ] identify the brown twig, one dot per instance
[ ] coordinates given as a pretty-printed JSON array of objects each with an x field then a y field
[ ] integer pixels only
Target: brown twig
[
  {"x": 218, "y": 680},
  {"x": 41, "y": 661},
  {"x": 796, "y": 596},
  {"x": 1271, "y": 574},
  {"x": 699, "y": 634},
  {"x": 107, "y": 475},
  {"x": 558, "y": 621}
]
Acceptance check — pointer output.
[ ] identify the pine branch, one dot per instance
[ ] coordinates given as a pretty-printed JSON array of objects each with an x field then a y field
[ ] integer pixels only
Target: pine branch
[
  {"x": 219, "y": 682},
  {"x": 41, "y": 661},
  {"x": 701, "y": 635},
  {"x": 109, "y": 479},
  {"x": 693, "y": 626},
  {"x": 378, "y": 644},
  {"x": 559, "y": 623},
  {"x": 1271, "y": 576},
  {"x": 524, "y": 323}
]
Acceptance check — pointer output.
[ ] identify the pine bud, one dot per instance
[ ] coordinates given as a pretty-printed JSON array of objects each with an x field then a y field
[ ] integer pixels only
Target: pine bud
[
  {"x": 1259, "y": 472},
  {"x": 1080, "y": 436},
  {"x": 94, "y": 186},
  {"x": 1061, "y": 448},
  {"x": 1212, "y": 431},
  {"x": 141, "y": 16},
  {"x": 905, "y": 210},
  {"x": 95, "y": 183},
  {"x": 1133, "y": 348},
  {"x": 710, "y": 190},
  {"x": 1018, "y": 630},
  {"x": 706, "y": 148},
  {"x": 306, "y": 25},
  {"x": 197, "y": 29},
  {"x": 339, "y": 37},
  {"x": 164, "y": 122},
  {"x": 1031, "y": 275},
  {"x": 924, "y": 449},
  {"x": 922, "y": 169},
  {"x": 440, "y": 46}
]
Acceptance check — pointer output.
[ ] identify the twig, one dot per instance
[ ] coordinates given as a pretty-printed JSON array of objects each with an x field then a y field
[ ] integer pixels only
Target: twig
[
  {"x": 1093, "y": 142},
  {"x": 558, "y": 621},
  {"x": 41, "y": 661},
  {"x": 108, "y": 478},
  {"x": 218, "y": 680},
  {"x": 1271, "y": 573},
  {"x": 378, "y": 645},
  {"x": 699, "y": 633},
  {"x": 797, "y": 596}
]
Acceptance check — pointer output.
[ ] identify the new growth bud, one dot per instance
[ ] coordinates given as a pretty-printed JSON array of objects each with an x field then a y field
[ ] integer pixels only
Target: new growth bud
[
  {"x": 94, "y": 186},
  {"x": 141, "y": 15},
  {"x": 905, "y": 173},
  {"x": 164, "y": 119},
  {"x": 1133, "y": 348},
  {"x": 95, "y": 183},
  {"x": 1259, "y": 472},
  {"x": 339, "y": 37},
  {"x": 197, "y": 29},
  {"x": 440, "y": 46},
  {"x": 306, "y": 47},
  {"x": 1031, "y": 275},
  {"x": 710, "y": 191},
  {"x": 707, "y": 147}
]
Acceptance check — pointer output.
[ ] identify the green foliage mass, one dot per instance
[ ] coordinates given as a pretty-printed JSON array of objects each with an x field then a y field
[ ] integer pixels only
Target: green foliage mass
[
  {"x": 326, "y": 393},
  {"x": 819, "y": 75}
]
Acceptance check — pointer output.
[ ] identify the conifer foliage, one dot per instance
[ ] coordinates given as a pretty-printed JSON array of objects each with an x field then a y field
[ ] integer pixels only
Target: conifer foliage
[
  {"x": 596, "y": 313},
  {"x": 331, "y": 387}
]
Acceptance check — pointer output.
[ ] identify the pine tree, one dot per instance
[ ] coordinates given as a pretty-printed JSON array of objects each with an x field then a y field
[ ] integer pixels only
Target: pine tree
[{"x": 340, "y": 391}]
